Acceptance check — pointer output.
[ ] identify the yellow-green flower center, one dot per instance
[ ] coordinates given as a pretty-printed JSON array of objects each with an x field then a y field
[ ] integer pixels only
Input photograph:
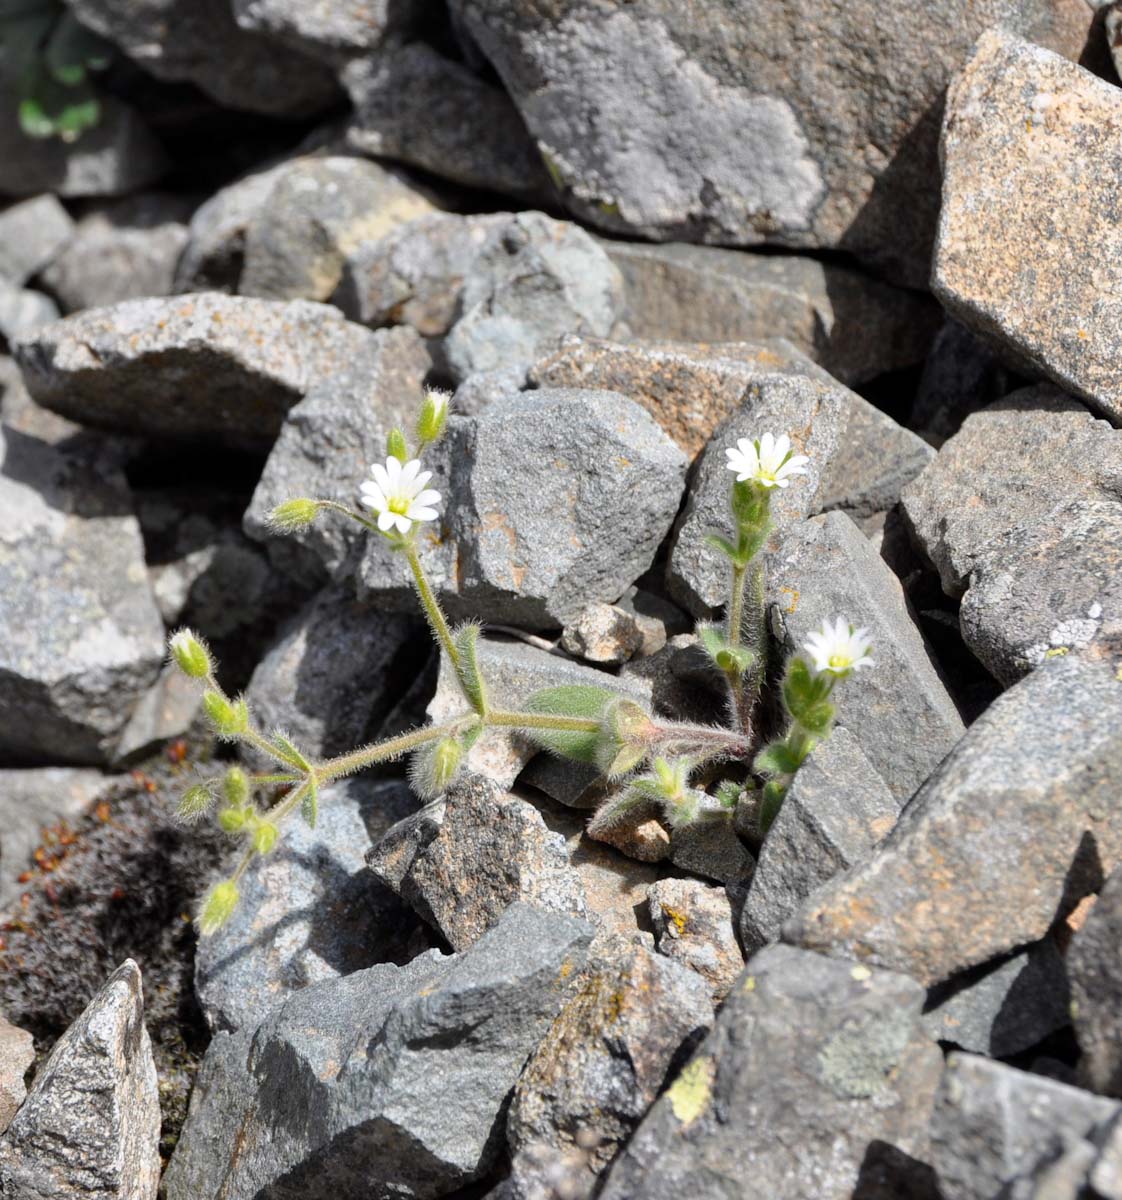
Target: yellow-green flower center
[
  {"x": 399, "y": 505},
  {"x": 838, "y": 661}
]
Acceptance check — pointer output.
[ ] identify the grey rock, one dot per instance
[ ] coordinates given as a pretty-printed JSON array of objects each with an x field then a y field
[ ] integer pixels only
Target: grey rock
[
  {"x": 23, "y": 312},
  {"x": 418, "y": 107},
  {"x": 90, "y": 1126},
  {"x": 993, "y": 1123},
  {"x": 17, "y": 1053},
  {"x": 200, "y": 42},
  {"x": 694, "y": 926},
  {"x": 1106, "y": 1173},
  {"x": 535, "y": 280},
  {"x": 564, "y": 498},
  {"x": 817, "y": 1075},
  {"x": 961, "y": 375},
  {"x": 308, "y": 912},
  {"x": 1050, "y": 450},
  {"x": 324, "y": 450},
  {"x": 334, "y": 30},
  {"x": 390, "y": 1082},
  {"x": 1035, "y": 287},
  {"x": 827, "y": 568},
  {"x": 1015, "y": 826},
  {"x": 634, "y": 110},
  {"x": 853, "y": 326},
  {"x": 206, "y": 365},
  {"x": 834, "y": 813},
  {"x": 483, "y": 388},
  {"x": 603, "y": 633},
  {"x": 75, "y": 657},
  {"x": 32, "y": 232},
  {"x": 1096, "y": 988},
  {"x": 167, "y": 710},
  {"x": 710, "y": 847},
  {"x": 1005, "y": 1008},
  {"x": 634, "y": 1018},
  {"x": 318, "y": 211},
  {"x": 19, "y": 412},
  {"x": 1050, "y": 586},
  {"x": 120, "y": 251}
]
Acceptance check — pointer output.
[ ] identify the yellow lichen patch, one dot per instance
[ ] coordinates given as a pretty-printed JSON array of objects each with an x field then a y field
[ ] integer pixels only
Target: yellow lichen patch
[
  {"x": 793, "y": 596},
  {"x": 749, "y": 984},
  {"x": 1083, "y": 335},
  {"x": 678, "y": 918},
  {"x": 689, "y": 1093},
  {"x": 860, "y": 973},
  {"x": 1056, "y": 652}
]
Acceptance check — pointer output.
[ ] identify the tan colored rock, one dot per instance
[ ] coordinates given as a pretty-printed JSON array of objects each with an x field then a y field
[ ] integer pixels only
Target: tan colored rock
[
  {"x": 17, "y": 1053},
  {"x": 694, "y": 926}
]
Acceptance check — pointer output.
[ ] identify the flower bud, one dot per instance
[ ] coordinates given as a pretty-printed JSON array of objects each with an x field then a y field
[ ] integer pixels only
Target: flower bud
[
  {"x": 293, "y": 514},
  {"x": 195, "y": 804},
  {"x": 189, "y": 654},
  {"x": 396, "y": 447},
  {"x": 445, "y": 761},
  {"x": 265, "y": 837},
  {"x": 218, "y": 907},
  {"x": 232, "y": 820},
  {"x": 229, "y": 717},
  {"x": 433, "y": 418},
  {"x": 235, "y": 787}
]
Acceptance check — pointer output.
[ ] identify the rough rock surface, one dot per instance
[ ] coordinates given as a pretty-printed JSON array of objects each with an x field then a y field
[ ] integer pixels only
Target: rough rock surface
[
  {"x": 962, "y": 374},
  {"x": 603, "y": 633},
  {"x": 17, "y": 1053},
  {"x": 817, "y": 1076},
  {"x": 1096, "y": 987},
  {"x": 32, "y": 232},
  {"x": 337, "y": 29},
  {"x": 90, "y": 1126},
  {"x": 23, "y": 311},
  {"x": 1012, "y": 829},
  {"x": 711, "y": 848},
  {"x": 1026, "y": 241},
  {"x": 694, "y": 926}
]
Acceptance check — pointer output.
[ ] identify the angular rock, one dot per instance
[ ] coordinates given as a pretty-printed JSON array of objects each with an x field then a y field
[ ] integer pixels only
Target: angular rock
[
  {"x": 90, "y": 1126},
  {"x": 844, "y": 158},
  {"x": 817, "y": 1077},
  {"x": 308, "y": 912},
  {"x": 694, "y": 926},
  {"x": 165, "y": 711},
  {"x": 328, "y": 30},
  {"x": 1096, "y": 988},
  {"x": 418, "y": 107},
  {"x": 348, "y": 1088},
  {"x": 535, "y": 280},
  {"x": 17, "y": 1053},
  {"x": 853, "y": 326},
  {"x": 32, "y": 232},
  {"x": 1013, "y": 828},
  {"x": 710, "y": 847},
  {"x": 961, "y": 375},
  {"x": 827, "y": 568},
  {"x": 1050, "y": 586},
  {"x": 834, "y": 813},
  {"x": 23, "y": 312},
  {"x": 206, "y": 365},
  {"x": 75, "y": 656},
  {"x": 603, "y": 633},
  {"x": 634, "y": 1019},
  {"x": 1026, "y": 241},
  {"x": 1009, "y": 465},
  {"x": 120, "y": 251},
  {"x": 993, "y": 1123}
]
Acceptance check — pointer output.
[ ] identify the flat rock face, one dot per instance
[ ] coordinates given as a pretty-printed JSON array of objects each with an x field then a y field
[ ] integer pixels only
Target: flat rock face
[
  {"x": 1027, "y": 247},
  {"x": 816, "y": 1073},
  {"x": 1096, "y": 987},
  {"x": 32, "y": 232},
  {"x": 90, "y": 1127},
  {"x": 838, "y": 152},
  {"x": 77, "y": 655},
  {"x": 340, "y": 26},
  {"x": 694, "y": 927},
  {"x": 1013, "y": 828}
]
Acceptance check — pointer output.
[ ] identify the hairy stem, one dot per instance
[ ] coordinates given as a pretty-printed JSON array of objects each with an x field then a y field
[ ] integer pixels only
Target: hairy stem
[
  {"x": 433, "y": 612},
  {"x": 391, "y": 748}
]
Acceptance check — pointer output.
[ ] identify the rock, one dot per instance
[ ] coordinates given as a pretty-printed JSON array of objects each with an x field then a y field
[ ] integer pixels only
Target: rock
[
  {"x": 483, "y": 388},
  {"x": 199, "y": 41},
  {"x": 1026, "y": 135},
  {"x": 1005, "y": 1008},
  {"x": 23, "y": 312},
  {"x": 563, "y": 498},
  {"x": 32, "y": 232},
  {"x": 603, "y": 633},
  {"x": 319, "y": 210},
  {"x": 634, "y": 1018},
  {"x": 77, "y": 656},
  {"x": 827, "y": 568},
  {"x": 993, "y": 1123},
  {"x": 853, "y": 326},
  {"x": 817, "y": 1080},
  {"x": 1050, "y": 450},
  {"x": 308, "y": 912},
  {"x": 334, "y": 672},
  {"x": 345, "y": 1089},
  {"x": 165, "y": 711},
  {"x": 1096, "y": 987},
  {"x": 694, "y": 926},
  {"x": 1013, "y": 828},
  {"x": 534, "y": 280},
  {"x": 418, "y": 107},
  {"x": 17, "y": 1053},
  {"x": 648, "y": 841},
  {"x": 120, "y": 251},
  {"x": 333, "y": 31},
  {"x": 202, "y": 366},
  {"x": 962, "y": 374},
  {"x": 90, "y": 1126},
  {"x": 835, "y": 812},
  {"x": 1106, "y": 1173},
  {"x": 829, "y": 154},
  {"x": 710, "y": 847}
]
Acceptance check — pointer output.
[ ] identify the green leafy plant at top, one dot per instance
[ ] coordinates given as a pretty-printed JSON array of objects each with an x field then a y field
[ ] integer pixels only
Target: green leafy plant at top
[{"x": 660, "y": 766}]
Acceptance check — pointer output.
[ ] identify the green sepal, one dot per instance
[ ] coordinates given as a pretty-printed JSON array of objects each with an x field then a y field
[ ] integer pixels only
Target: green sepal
[
  {"x": 571, "y": 700},
  {"x": 728, "y": 793},
  {"x": 777, "y": 758},
  {"x": 471, "y": 735},
  {"x": 288, "y": 751},
  {"x": 771, "y": 801},
  {"x": 803, "y": 689},
  {"x": 818, "y": 718},
  {"x": 751, "y": 507},
  {"x": 466, "y": 641},
  {"x": 728, "y": 658},
  {"x": 309, "y": 806},
  {"x": 625, "y": 760},
  {"x": 396, "y": 447},
  {"x": 724, "y": 546}
]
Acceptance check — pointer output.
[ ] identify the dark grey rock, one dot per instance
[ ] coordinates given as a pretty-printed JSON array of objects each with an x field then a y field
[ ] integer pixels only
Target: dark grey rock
[
  {"x": 710, "y": 847},
  {"x": 1009, "y": 465},
  {"x": 694, "y": 925},
  {"x": 961, "y": 375},
  {"x": 17, "y": 1053},
  {"x": 75, "y": 656},
  {"x": 1096, "y": 988},
  {"x": 816, "y": 1079},
  {"x": 90, "y": 1126},
  {"x": 32, "y": 232},
  {"x": 23, "y": 312},
  {"x": 834, "y": 813},
  {"x": 1016, "y": 825},
  {"x": 390, "y": 1082},
  {"x": 206, "y": 365}
]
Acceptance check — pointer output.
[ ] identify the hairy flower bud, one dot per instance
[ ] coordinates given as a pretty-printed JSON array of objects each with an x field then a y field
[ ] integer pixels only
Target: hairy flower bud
[
  {"x": 232, "y": 820},
  {"x": 396, "y": 447},
  {"x": 218, "y": 907},
  {"x": 434, "y": 416},
  {"x": 190, "y": 654},
  {"x": 229, "y": 717},
  {"x": 195, "y": 804},
  {"x": 293, "y": 514},
  {"x": 235, "y": 787},
  {"x": 265, "y": 837}
]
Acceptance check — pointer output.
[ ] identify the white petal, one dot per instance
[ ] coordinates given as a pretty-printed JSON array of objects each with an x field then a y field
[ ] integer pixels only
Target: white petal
[
  {"x": 381, "y": 477},
  {"x": 393, "y": 470},
  {"x": 430, "y": 497},
  {"x": 386, "y": 520},
  {"x": 403, "y": 522},
  {"x": 423, "y": 514},
  {"x": 409, "y": 471}
]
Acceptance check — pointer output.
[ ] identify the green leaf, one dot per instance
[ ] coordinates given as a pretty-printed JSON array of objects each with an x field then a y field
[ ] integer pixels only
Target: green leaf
[
  {"x": 630, "y": 803},
  {"x": 466, "y": 641},
  {"x": 751, "y": 507},
  {"x": 72, "y": 50},
  {"x": 723, "y": 545},
  {"x": 799, "y": 690},
  {"x": 776, "y": 759},
  {"x": 573, "y": 700},
  {"x": 288, "y": 751},
  {"x": 818, "y": 717},
  {"x": 309, "y": 806},
  {"x": 33, "y": 120},
  {"x": 728, "y": 793},
  {"x": 738, "y": 658}
]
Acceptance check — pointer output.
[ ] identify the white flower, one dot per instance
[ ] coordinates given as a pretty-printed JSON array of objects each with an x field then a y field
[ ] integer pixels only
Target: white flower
[
  {"x": 767, "y": 460},
  {"x": 397, "y": 494},
  {"x": 839, "y": 648}
]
